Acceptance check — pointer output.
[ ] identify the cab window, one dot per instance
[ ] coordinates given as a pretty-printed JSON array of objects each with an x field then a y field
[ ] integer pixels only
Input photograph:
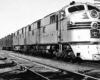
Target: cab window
[
  {"x": 90, "y": 7},
  {"x": 76, "y": 8}
]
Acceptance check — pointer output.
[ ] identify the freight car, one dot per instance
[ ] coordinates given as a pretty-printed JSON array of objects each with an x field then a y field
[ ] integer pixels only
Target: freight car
[{"x": 73, "y": 31}]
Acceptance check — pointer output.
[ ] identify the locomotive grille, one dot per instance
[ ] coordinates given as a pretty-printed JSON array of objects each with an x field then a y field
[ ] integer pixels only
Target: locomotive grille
[
  {"x": 80, "y": 25},
  {"x": 83, "y": 23}
]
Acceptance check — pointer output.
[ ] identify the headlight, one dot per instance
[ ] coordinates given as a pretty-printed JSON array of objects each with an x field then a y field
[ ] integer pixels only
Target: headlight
[
  {"x": 94, "y": 25},
  {"x": 94, "y": 14}
]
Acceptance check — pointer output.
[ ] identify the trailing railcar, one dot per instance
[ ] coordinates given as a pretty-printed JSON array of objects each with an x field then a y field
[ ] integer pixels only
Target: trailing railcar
[
  {"x": 9, "y": 41},
  {"x": 6, "y": 42}
]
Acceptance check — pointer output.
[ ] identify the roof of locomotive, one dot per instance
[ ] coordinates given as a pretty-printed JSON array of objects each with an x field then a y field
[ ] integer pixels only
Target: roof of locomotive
[
  {"x": 69, "y": 5},
  {"x": 49, "y": 14},
  {"x": 79, "y": 3}
]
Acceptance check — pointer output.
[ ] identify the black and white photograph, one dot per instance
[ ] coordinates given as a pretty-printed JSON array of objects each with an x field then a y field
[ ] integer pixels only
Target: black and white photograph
[{"x": 49, "y": 39}]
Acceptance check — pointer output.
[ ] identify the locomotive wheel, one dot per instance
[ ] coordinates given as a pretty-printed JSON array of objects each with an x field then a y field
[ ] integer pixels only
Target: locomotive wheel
[
  {"x": 57, "y": 55},
  {"x": 71, "y": 57}
]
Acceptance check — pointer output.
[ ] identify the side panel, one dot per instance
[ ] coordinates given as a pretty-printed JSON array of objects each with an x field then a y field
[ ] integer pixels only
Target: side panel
[
  {"x": 51, "y": 33},
  {"x": 33, "y": 38},
  {"x": 27, "y": 38},
  {"x": 34, "y": 33},
  {"x": 15, "y": 39},
  {"x": 21, "y": 39},
  {"x": 49, "y": 29}
]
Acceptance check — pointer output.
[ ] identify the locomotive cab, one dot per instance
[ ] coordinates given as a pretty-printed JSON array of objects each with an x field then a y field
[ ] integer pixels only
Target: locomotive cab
[{"x": 82, "y": 12}]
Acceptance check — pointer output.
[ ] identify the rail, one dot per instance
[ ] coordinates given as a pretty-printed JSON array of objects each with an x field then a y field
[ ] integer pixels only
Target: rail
[{"x": 61, "y": 71}]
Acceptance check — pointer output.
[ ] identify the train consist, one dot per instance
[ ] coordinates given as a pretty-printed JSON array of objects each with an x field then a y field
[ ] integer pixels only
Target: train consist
[{"x": 73, "y": 31}]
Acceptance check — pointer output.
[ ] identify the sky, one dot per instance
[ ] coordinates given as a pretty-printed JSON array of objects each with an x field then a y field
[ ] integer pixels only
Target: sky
[{"x": 15, "y": 14}]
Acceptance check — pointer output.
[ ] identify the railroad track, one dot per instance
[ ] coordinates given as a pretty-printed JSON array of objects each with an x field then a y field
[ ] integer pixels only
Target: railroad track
[
  {"x": 85, "y": 63},
  {"x": 47, "y": 72}
]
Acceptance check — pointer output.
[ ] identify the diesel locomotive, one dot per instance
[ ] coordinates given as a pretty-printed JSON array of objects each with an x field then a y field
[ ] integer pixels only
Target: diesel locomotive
[{"x": 73, "y": 31}]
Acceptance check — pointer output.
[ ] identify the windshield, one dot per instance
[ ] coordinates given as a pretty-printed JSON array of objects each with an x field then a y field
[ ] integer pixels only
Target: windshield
[
  {"x": 76, "y": 8},
  {"x": 90, "y": 7}
]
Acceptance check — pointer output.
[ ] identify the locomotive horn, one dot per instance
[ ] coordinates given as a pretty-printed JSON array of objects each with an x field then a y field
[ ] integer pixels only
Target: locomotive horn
[{"x": 73, "y": 2}]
